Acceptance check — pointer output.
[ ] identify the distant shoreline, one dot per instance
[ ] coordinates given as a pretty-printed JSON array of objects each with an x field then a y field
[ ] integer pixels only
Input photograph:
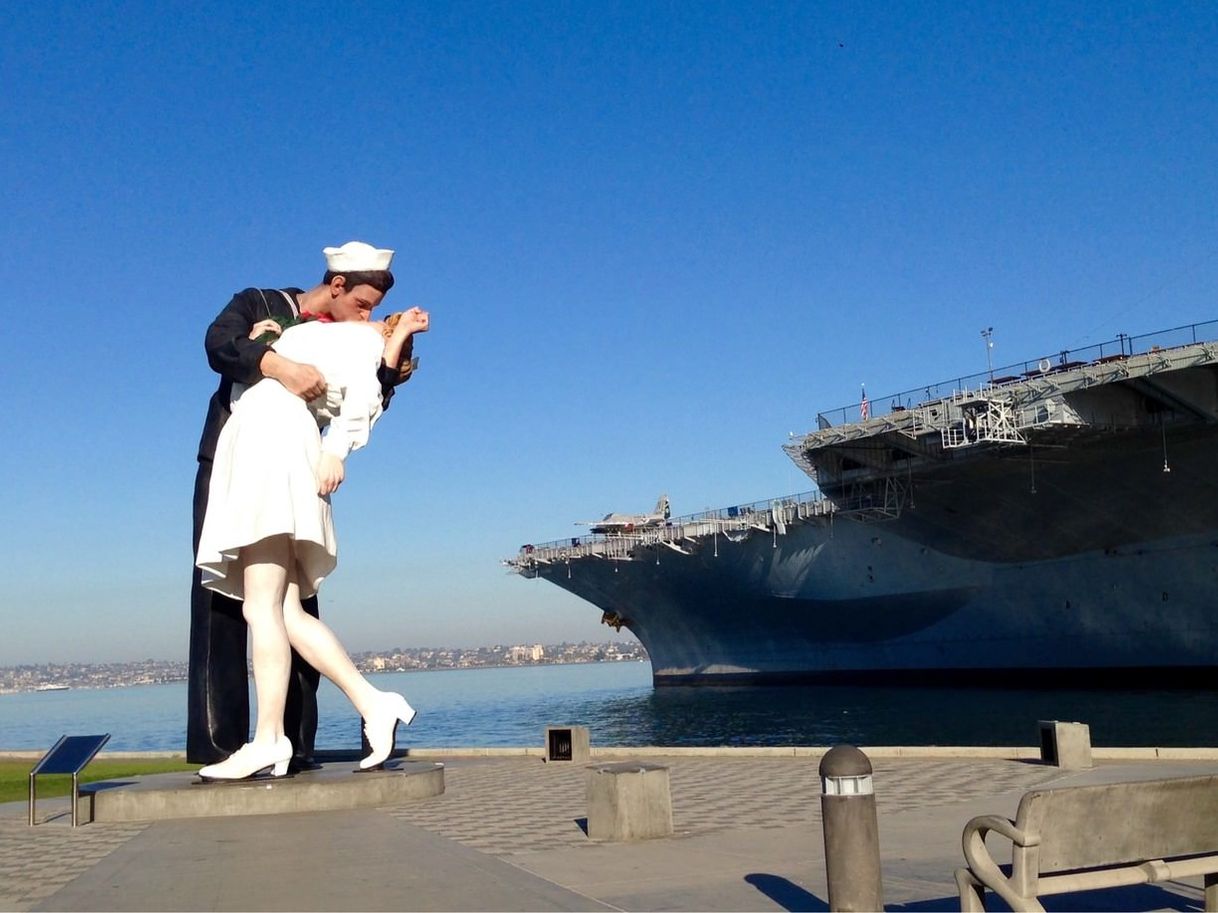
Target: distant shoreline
[{"x": 62, "y": 683}]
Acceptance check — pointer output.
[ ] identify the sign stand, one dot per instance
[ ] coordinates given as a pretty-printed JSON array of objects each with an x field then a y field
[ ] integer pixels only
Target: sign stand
[{"x": 70, "y": 755}]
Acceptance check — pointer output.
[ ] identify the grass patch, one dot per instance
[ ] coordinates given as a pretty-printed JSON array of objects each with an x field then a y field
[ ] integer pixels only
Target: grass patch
[{"x": 15, "y": 775}]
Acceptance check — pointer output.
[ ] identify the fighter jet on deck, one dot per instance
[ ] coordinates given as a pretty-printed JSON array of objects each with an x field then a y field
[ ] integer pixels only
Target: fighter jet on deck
[{"x": 620, "y": 524}]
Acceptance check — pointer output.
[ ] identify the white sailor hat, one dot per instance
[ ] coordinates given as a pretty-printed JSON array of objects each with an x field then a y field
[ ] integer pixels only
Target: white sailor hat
[{"x": 356, "y": 257}]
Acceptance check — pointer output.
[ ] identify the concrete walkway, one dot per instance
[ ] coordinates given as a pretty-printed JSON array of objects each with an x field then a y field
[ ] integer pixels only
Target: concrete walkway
[{"x": 506, "y": 836}]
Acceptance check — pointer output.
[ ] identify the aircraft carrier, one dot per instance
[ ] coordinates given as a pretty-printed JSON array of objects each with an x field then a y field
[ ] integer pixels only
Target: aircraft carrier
[{"x": 1045, "y": 523}]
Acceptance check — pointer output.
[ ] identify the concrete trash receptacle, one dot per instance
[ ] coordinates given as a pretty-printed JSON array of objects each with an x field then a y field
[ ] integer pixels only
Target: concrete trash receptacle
[
  {"x": 567, "y": 743},
  {"x": 628, "y": 802},
  {"x": 1065, "y": 745}
]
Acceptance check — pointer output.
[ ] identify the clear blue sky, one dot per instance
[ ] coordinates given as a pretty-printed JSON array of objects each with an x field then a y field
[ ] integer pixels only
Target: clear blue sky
[{"x": 655, "y": 238}]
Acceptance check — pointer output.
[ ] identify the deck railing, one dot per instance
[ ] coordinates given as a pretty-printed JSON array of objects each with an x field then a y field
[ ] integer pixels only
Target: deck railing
[
  {"x": 756, "y": 515},
  {"x": 1122, "y": 346}
]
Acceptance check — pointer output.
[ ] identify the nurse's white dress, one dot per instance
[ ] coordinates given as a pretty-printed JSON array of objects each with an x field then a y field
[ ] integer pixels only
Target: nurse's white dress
[{"x": 263, "y": 482}]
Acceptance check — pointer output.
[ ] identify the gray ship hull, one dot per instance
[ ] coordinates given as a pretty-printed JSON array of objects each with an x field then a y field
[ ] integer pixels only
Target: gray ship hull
[
  {"x": 759, "y": 613},
  {"x": 1087, "y": 555}
]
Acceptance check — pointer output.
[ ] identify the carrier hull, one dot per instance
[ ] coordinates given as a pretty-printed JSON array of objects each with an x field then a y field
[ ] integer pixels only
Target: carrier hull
[{"x": 1086, "y": 552}]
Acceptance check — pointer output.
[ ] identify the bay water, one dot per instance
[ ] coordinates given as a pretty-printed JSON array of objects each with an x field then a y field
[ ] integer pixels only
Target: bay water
[{"x": 616, "y": 701}]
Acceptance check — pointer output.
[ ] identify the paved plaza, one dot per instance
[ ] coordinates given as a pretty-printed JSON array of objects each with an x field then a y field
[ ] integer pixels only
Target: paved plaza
[{"x": 508, "y": 835}]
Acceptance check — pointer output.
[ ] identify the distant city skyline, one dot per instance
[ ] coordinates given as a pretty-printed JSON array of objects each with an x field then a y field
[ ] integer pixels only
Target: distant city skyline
[
  {"x": 655, "y": 241},
  {"x": 58, "y": 676}
]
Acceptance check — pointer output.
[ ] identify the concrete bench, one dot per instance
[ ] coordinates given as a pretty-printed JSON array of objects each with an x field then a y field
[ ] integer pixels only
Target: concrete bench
[{"x": 1080, "y": 838}]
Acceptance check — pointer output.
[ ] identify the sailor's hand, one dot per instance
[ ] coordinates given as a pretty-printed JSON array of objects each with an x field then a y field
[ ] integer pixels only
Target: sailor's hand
[
  {"x": 303, "y": 380},
  {"x": 330, "y": 474},
  {"x": 265, "y": 326}
]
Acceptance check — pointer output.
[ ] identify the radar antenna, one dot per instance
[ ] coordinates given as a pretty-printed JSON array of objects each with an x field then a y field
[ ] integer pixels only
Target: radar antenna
[{"x": 988, "y": 335}]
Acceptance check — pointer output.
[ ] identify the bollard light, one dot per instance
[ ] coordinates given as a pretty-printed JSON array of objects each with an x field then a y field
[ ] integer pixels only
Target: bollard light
[
  {"x": 852, "y": 836},
  {"x": 859, "y": 785}
]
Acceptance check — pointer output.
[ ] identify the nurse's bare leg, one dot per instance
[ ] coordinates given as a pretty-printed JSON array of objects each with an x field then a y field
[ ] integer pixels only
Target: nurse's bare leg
[
  {"x": 381, "y": 710},
  {"x": 266, "y": 566},
  {"x": 321, "y": 649},
  {"x": 266, "y": 580}
]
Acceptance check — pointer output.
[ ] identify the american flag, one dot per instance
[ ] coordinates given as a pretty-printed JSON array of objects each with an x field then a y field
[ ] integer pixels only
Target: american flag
[{"x": 864, "y": 407}]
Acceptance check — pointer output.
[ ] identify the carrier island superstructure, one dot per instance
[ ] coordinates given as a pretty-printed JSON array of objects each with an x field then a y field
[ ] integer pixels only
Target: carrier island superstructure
[{"x": 1049, "y": 522}]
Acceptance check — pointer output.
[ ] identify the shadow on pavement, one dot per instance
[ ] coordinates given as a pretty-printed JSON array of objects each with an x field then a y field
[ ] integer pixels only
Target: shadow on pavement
[
  {"x": 787, "y": 894},
  {"x": 1112, "y": 900},
  {"x": 1134, "y": 897},
  {"x": 951, "y": 902}
]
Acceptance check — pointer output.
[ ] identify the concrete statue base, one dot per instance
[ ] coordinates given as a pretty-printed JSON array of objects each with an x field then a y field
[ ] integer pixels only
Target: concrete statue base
[{"x": 334, "y": 786}]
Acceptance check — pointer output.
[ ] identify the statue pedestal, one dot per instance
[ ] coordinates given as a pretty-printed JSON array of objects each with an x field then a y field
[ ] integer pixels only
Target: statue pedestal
[{"x": 333, "y": 787}]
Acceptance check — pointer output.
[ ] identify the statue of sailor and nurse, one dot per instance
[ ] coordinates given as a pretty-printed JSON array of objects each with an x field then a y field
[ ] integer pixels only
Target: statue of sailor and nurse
[{"x": 304, "y": 377}]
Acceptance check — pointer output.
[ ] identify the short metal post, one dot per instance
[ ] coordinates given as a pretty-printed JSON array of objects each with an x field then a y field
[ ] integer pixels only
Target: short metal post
[
  {"x": 75, "y": 796},
  {"x": 33, "y": 798},
  {"x": 852, "y": 833}
]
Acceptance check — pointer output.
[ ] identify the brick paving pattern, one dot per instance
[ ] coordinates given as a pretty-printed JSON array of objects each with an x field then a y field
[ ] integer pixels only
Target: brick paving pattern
[
  {"x": 509, "y": 806},
  {"x": 35, "y": 862}
]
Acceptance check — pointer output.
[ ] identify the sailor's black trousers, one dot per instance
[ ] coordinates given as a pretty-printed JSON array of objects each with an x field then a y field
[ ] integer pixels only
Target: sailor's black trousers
[{"x": 218, "y": 706}]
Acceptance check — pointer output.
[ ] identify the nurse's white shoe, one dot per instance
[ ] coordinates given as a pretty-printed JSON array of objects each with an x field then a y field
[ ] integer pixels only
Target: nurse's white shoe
[
  {"x": 251, "y": 759},
  {"x": 381, "y": 727}
]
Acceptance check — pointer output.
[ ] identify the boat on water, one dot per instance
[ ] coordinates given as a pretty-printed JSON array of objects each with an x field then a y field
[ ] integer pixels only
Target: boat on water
[
  {"x": 1051, "y": 522},
  {"x": 53, "y": 687}
]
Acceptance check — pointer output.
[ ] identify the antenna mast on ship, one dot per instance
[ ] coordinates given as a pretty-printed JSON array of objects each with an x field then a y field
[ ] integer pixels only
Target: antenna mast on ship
[{"x": 988, "y": 335}]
